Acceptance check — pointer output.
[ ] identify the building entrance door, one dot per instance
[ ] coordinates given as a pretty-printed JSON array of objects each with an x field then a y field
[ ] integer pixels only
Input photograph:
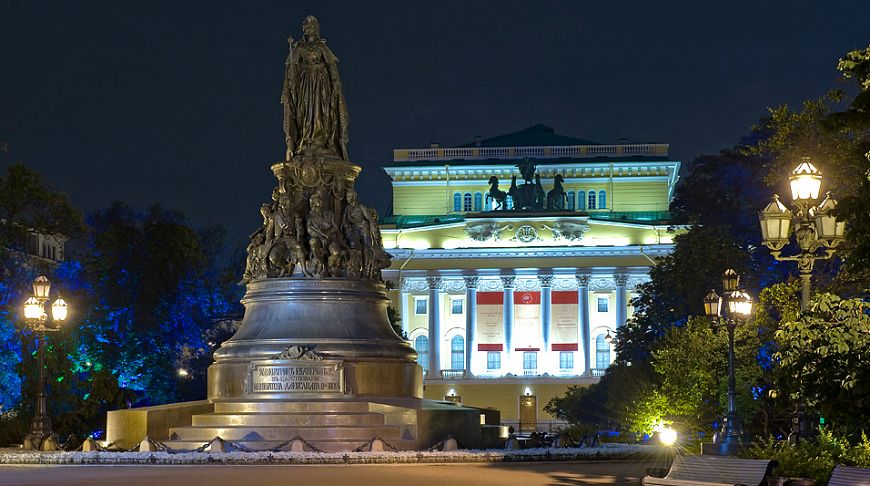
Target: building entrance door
[{"x": 528, "y": 413}]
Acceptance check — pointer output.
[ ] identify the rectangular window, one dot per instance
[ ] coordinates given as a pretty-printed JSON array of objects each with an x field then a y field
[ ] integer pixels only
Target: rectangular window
[
  {"x": 566, "y": 360},
  {"x": 530, "y": 360},
  {"x": 493, "y": 360},
  {"x": 602, "y": 304},
  {"x": 456, "y": 306},
  {"x": 420, "y": 305}
]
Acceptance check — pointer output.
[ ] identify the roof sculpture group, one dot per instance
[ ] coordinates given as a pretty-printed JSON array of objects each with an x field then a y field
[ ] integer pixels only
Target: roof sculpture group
[
  {"x": 530, "y": 195},
  {"x": 315, "y": 226}
]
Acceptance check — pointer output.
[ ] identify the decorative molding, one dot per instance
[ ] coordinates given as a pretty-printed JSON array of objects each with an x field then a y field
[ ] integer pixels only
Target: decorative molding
[
  {"x": 486, "y": 231},
  {"x": 508, "y": 282},
  {"x": 583, "y": 280},
  {"x": 635, "y": 281},
  {"x": 453, "y": 285},
  {"x": 434, "y": 283},
  {"x": 492, "y": 284},
  {"x": 526, "y": 234},
  {"x": 546, "y": 280},
  {"x": 471, "y": 282},
  {"x": 527, "y": 284},
  {"x": 620, "y": 279},
  {"x": 601, "y": 283},
  {"x": 565, "y": 284},
  {"x": 651, "y": 251},
  {"x": 567, "y": 230}
]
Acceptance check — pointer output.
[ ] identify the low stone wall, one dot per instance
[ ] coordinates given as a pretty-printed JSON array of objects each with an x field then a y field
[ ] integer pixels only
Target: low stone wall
[{"x": 127, "y": 427}]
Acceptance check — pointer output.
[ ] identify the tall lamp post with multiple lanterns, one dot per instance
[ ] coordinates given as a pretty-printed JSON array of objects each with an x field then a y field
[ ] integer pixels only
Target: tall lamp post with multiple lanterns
[
  {"x": 817, "y": 231},
  {"x": 37, "y": 318},
  {"x": 731, "y": 309}
]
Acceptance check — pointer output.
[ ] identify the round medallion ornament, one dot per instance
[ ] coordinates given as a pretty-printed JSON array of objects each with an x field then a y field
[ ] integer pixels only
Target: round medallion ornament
[
  {"x": 309, "y": 176},
  {"x": 527, "y": 234}
]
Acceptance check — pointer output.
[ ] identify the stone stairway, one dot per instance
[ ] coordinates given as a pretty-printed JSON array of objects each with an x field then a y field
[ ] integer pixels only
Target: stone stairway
[{"x": 328, "y": 425}]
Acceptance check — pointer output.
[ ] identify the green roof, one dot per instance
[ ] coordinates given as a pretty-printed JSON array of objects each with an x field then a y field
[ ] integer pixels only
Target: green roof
[{"x": 535, "y": 136}]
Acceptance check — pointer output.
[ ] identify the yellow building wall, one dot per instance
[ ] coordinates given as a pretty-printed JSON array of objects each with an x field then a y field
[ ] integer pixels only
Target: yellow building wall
[
  {"x": 504, "y": 397},
  {"x": 420, "y": 200},
  {"x": 622, "y": 196}
]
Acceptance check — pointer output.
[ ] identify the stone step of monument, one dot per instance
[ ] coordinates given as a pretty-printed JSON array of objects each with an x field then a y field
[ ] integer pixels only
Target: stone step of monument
[
  {"x": 309, "y": 433},
  {"x": 247, "y": 406},
  {"x": 287, "y": 419},
  {"x": 323, "y": 445}
]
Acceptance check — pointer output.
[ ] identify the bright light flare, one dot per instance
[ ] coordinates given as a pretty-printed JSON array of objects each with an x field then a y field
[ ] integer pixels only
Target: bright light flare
[
  {"x": 183, "y": 372},
  {"x": 667, "y": 436}
]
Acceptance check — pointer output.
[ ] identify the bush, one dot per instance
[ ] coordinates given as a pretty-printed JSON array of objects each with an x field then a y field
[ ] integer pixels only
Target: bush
[{"x": 812, "y": 459}]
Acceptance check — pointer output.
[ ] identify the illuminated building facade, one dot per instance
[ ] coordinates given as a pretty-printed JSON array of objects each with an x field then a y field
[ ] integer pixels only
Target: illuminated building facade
[{"x": 508, "y": 306}]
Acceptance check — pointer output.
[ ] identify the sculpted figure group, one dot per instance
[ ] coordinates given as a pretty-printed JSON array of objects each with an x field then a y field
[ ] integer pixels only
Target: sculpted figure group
[
  {"x": 311, "y": 239},
  {"x": 530, "y": 195}
]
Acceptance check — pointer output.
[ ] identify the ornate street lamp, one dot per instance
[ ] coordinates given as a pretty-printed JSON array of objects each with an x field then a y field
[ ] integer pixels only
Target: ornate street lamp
[
  {"x": 814, "y": 226},
  {"x": 37, "y": 318},
  {"x": 736, "y": 309}
]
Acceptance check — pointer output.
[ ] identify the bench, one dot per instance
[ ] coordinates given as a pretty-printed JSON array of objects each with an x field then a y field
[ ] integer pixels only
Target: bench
[
  {"x": 850, "y": 476},
  {"x": 713, "y": 471}
]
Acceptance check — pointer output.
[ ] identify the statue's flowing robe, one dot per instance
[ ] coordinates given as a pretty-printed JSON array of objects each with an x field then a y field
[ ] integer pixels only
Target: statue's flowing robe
[{"x": 315, "y": 114}]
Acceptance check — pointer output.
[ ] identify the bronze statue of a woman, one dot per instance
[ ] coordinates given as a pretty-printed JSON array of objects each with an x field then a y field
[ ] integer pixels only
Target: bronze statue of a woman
[{"x": 315, "y": 115}]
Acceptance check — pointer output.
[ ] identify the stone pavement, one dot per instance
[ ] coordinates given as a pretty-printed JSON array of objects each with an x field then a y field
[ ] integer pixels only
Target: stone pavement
[{"x": 500, "y": 474}]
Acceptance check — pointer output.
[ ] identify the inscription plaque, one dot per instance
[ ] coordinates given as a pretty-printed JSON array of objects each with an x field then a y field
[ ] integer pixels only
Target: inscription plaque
[{"x": 293, "y": 377}]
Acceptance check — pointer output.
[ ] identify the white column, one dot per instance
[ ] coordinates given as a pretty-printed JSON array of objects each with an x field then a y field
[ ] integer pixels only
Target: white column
[
  {"x": 508, "y": 282},
  {"x": 470, "y": 322},
  {"x": 546, "y": 310},
  {"x": 434, "y": 372},
  {"x": 621, "y": 281},
  {"x": 583, "y": 318},
  {"x": 404, "y": 313}
]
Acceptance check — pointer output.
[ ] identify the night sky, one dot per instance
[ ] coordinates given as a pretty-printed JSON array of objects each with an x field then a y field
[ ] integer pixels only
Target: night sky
[{"x": 177, "y": 103}]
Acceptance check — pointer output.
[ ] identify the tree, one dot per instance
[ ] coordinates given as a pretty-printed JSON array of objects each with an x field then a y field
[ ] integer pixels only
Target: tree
[{"x": 826, "y": 353}]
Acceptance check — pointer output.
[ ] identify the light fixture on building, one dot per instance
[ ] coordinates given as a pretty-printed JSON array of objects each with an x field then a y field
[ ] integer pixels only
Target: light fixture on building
[
  {"x": 608, "y": 338},
  {"x": 451, "y": 392},
  {"x": 528, "y": 392}
]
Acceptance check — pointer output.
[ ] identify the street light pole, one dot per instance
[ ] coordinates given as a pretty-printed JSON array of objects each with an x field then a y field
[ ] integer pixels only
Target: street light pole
[
  {"x": 737, "y": 308},
  {"x": 815, "y": 228},
  {"x": 40, "y": 436}
]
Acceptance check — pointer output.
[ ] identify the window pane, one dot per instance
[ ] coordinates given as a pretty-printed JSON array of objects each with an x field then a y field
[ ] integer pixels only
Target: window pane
[
  {"x": 467, "y": 200},
  {"x": 602, "y": 353},
  {"x": 590, "y": 202},
  {"x": 581, "y": 199},
  {"x": 493, "y": 360},
  {"x": 509, "y": 202},
  {"x": 456, "y": 306},
  {"x": 566, "y": 360},
  {"x": 602, "y": 200},
  {"x": 457, "y": 353},
  {"x": 530, "y": 361},
  {"x": 421, "y": 345},
  {"x": 570, "y": 199},
  {"x": 478, "y": 201},
  {"x": 457, "y": 201},
  {"x": 419, "y": 306},
  {"x": 602, "y": 304}
]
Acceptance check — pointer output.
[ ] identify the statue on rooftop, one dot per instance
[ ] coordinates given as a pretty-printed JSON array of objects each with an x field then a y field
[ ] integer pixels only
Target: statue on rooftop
[{"x": 315, "y": 115}]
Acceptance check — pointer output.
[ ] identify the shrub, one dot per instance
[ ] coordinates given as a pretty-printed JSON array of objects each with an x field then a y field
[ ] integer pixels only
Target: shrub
[{"x": 812, "y": 459}]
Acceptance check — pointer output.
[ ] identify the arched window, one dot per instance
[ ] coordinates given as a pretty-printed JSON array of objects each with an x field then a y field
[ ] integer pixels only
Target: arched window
[
  {"x": 602, "y": 353},
  {"x": 581, "y": 200},
  {"x": 457, "y": 201},
  {"x": 421, "y": 345},
  {"x": 590, "y": 202},
  {"x": 478, "y": 201},
  {"x": 509, "y": 202},
  {"x": 457, "y": 353},
  {"x": 602, "y": 199},
  {"x": 570, "y": 200},
  {"x": 467, "y": 200}
]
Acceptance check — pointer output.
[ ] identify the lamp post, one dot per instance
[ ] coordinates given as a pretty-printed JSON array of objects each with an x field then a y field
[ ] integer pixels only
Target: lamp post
[
  {"x": 35, "y": 314},
  {"x": 737, "y": 308},
  {"x": 817, "y": 232}
]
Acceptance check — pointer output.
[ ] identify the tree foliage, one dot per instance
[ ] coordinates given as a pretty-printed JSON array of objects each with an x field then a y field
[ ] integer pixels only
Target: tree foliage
[{"x": 826, "y": 353}]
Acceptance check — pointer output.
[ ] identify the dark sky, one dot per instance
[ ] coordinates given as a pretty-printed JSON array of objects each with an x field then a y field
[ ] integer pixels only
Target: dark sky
[{"x": 177, "y": 102}]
